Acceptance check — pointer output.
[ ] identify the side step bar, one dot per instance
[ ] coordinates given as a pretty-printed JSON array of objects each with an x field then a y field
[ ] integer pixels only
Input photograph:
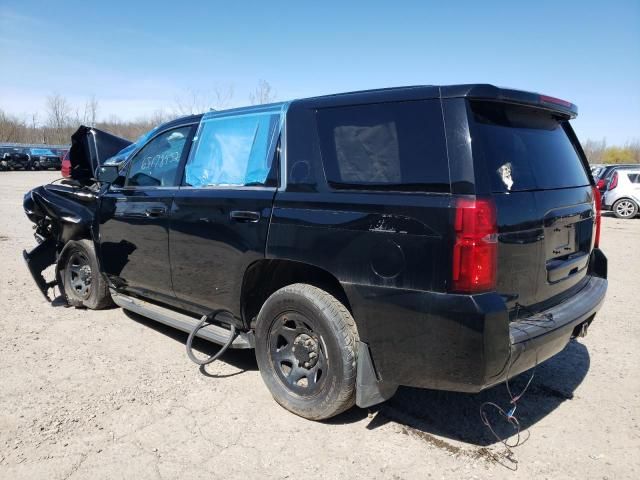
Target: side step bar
[{"x": 180, "y": 321}]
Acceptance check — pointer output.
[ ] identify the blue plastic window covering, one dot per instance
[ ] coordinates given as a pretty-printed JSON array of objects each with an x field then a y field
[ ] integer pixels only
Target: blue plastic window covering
[{"x": 233, "y": 150}]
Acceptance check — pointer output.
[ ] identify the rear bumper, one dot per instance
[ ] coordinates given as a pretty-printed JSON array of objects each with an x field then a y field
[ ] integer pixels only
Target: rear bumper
[
  {"x": 464, "y": 342},
  {"x": 534, "y": 340}
]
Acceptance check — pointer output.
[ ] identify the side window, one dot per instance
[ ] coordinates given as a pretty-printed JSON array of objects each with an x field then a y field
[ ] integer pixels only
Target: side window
[
  {"x": 385, "y": 146},
  {"x": 234, "y": 150},
  {"x": 634, "y": 177},
  {"x": 157, "y": 163}
]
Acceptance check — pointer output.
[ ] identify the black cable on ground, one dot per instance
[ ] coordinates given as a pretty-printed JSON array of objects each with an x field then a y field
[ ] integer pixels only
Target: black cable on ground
[{"x": 203, "y": 322}]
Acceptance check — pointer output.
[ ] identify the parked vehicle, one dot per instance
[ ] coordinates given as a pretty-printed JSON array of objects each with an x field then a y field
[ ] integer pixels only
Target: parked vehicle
[
  {"x": 44, "y": 159},
  {"x": 623, "y": 193},
  {"x": 606, "y": 172},
  {"x": 435, "y": 237},
  {"x": 65, "y": 166},
  {"x": 14, "y": 158},
  {"x": 595, "y": 170}
]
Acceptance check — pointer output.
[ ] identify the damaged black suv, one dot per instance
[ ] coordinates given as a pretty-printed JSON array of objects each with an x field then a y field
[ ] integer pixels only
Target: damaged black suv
[{"x": 436, "y": 237}]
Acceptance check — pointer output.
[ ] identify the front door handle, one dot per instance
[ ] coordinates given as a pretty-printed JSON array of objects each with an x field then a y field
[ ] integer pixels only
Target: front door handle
[
  {"x": 155, "y": 211},
  {"x": 245, "y": 216}
]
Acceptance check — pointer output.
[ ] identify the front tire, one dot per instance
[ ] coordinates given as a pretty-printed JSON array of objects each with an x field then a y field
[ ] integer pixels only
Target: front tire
[
  {"x": 625, "y": 208},
  {"x": 306, "y": 350},
  {"x": 83, "y": 284}
]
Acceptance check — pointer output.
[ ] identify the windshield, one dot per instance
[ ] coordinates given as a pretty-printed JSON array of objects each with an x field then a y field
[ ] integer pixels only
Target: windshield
[
  {"x": 126, "y": 152},
  {"x": 41, "y": 151}
]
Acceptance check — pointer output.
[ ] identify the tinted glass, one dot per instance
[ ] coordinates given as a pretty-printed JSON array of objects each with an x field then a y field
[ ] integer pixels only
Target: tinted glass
[
  {"x": 157, "y": 163},
  {"x": 524, "y": 148},
  {"x": 385, "y": 146},
  {"x": 634, "y": 177},
  {"x": 234, "y": 150}
]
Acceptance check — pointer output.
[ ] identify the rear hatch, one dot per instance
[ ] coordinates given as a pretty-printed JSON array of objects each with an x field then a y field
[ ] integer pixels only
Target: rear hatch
[{"x": 543, "y": 196}]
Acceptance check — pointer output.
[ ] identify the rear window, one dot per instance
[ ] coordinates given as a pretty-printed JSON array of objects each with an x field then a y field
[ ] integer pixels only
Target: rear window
[
  {"x": 524, "y": 148},
  {"x": 385, "y": 146}
]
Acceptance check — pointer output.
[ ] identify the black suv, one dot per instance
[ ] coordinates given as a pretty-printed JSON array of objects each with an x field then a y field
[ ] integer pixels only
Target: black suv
[
  {"x": 13, "y": 158},
  {"x": 45, "y": 158},
  {"x": 437, "y": 237}
]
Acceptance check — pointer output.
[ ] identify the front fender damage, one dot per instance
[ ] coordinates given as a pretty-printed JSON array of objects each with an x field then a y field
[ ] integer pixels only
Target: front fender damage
[{"x": 60, "y": 213}]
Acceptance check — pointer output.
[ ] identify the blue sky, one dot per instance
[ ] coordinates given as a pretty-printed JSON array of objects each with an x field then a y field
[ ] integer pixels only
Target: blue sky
[{"x": 136, "y": 57}]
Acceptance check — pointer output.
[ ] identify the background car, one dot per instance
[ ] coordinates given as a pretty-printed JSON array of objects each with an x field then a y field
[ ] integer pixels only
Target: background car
[
  {"x": 13, "y": 158},
  {"x": 604, "y": 174},
  {"x": 44, "y": 159},
  {"x": 65, "y": 167},
  {"x": 623, "y": 193}
]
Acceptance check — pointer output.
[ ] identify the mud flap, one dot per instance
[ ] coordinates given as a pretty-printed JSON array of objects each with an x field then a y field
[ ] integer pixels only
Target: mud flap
[
  {"x": 369, "y": 390},
  {"x": 38, "y": 259}
]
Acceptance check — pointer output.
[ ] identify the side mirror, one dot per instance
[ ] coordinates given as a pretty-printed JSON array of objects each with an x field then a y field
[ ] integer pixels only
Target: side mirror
[{"x": 107, "y": 173}]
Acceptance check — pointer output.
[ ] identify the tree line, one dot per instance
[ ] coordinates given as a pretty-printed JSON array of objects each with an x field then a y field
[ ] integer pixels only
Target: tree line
[
  {"x": 598, "y": 152},
  {"x": 61, "y": 118}
]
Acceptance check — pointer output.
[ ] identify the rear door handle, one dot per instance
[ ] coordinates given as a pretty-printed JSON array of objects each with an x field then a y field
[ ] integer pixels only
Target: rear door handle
[
  {"x": 155, "y": 211},
  {"x": 245, "y": 216}
]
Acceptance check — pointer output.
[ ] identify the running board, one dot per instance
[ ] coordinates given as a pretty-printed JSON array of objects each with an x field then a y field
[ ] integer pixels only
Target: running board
[{"x": 180, "y": 321}]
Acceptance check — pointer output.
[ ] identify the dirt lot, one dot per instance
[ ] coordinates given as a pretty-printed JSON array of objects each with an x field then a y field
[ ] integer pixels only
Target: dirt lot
[{"x": 104, "y": 394}]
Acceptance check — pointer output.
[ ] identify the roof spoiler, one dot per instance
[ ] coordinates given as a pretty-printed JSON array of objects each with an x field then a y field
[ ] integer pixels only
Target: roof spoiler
[{"x": 491, "y": 92}]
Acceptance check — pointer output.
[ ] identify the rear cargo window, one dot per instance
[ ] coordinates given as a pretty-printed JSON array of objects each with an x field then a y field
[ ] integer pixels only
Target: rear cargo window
[
  {"x": 385, "y": 146},
  {"x": 524, "y": 148}
]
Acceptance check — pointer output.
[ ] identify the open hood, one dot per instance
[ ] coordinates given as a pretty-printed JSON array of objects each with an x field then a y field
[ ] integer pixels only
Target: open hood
[{"x": 90, "y": 147}]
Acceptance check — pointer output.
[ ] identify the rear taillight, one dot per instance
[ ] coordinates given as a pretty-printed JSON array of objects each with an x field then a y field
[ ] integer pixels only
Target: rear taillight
[
  {"x": 614, "y": 181},
  {"x": 475, "y": 251},
  {"x": 601, "y": 184},
  {"x": 597, "y": 200}
]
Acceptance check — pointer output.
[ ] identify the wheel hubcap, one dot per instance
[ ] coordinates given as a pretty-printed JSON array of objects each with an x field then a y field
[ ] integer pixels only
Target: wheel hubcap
[
  {"x": 80, "y": 275},
  {"x": 298, "y": 353},
  {"x": 625, "y": 208}
]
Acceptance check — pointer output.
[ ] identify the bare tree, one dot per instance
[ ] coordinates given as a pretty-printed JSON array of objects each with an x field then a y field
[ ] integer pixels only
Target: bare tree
[
  {"x": 223, "y": 95},
  {"x": 58, "y": 111},
  {"x": 91, "y": 110},
  {"x": 594, "y": 150},
  {"x": 199, "y": 101},
  {"x": 192, "y": 102},
  {"x": 263, "y": 93}
]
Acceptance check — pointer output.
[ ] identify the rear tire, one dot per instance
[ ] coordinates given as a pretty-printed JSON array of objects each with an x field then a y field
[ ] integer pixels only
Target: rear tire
[
  {"x": 306, "y": 351},
  {"x": 625, "y": 208},
  {"x": 83, "y": 284}
]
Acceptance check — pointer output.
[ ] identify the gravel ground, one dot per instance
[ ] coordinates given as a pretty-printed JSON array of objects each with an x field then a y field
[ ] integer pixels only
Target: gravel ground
[{"x": 94, "y": 395}]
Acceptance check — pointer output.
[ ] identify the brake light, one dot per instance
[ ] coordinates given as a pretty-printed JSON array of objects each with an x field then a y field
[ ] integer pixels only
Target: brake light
[
  {"x": 601, "y": 184},
  {"x": 557, "y": 101},
  {"x": 614, "y": 181},
  {"x": 475, "y": 251},
  {"x": 597, "y": 199}
]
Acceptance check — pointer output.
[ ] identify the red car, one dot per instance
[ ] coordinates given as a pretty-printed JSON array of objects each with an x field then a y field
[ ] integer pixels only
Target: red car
[{"x": 66, "y": 165}]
